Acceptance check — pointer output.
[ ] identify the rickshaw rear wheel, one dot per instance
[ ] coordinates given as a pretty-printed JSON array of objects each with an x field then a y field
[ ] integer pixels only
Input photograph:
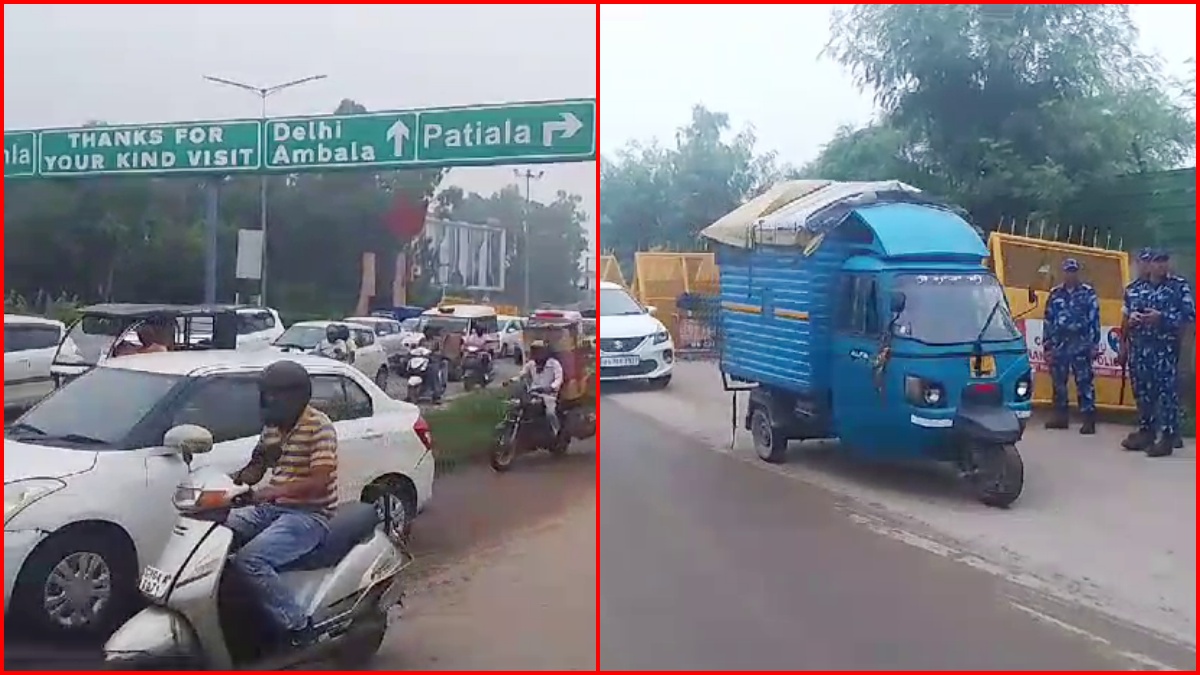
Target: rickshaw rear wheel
[
  {"x": 769, "y": 442},
  {"x": 998, "y": 475}
]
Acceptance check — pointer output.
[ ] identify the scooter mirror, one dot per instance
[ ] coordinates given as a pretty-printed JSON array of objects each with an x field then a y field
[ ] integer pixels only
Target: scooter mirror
[
  {"x": 189, "y": 439},
  {"x": 899, "y": 301}
]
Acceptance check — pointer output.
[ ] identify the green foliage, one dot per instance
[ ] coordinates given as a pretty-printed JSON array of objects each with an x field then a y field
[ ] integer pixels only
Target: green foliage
[
  {"x": 1007, "y": 109},
  {"x": 142, "y": 240},
  {"x": 657, "y": 197},
  {"x": 464, "y": 428}
]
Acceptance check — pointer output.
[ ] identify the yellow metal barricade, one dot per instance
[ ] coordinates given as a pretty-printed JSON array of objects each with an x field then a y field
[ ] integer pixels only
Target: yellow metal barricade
[
  {"x": 610, "y": 270},
  {"x": 1021, "y": 263},
  {"x": 661, "y": 277}
]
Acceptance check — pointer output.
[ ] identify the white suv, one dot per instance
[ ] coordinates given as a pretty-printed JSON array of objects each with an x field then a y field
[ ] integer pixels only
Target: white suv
[
  {"x": 29, "y": 346},
  {"x": 633, "y": 344}
]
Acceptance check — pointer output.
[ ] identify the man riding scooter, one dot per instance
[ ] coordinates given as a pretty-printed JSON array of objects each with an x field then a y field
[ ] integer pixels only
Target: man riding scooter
[
  {"x": 290, "y": 515},
  {"x": 475, "y": 340},
  {"x": 337, "y": 343},
  {"x": 545, "y": 376}
]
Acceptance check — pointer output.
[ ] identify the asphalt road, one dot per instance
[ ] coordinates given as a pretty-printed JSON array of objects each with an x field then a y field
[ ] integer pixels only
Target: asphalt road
[{"x": 710, "y": 563}]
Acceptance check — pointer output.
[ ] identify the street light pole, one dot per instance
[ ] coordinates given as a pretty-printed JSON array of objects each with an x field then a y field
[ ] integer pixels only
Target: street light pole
[
  {"x": 529, "y": 175},
  {"x": 263, "y": 93}
]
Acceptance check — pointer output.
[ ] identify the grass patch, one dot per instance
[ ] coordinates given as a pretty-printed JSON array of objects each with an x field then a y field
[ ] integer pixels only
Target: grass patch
[{"x": 463, "y": 427}]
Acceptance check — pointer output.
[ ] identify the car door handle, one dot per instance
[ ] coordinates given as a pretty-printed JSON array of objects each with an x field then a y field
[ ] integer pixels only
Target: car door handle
[{"x": 372, "y": 435}]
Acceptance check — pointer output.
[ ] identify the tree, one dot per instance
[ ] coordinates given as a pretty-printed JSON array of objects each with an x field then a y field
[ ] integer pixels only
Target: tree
[
  {"x": 652, "y": 197},
  {"x": 1008, "y": 109}
]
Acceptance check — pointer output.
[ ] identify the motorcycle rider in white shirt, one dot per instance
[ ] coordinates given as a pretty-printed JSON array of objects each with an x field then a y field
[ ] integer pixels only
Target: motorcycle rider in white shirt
[{"x": 545, "y": 376}]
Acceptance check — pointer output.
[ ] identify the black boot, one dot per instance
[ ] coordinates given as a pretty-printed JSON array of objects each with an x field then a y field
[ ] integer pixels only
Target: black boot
[
  {"x": 1138, "y": 440},
  {"x": 1163, "y": 448},
  {"x": 1058, "y": 420},
  {"x": 1088, "y": 428},
  {"x": 1177, "y": 442}
]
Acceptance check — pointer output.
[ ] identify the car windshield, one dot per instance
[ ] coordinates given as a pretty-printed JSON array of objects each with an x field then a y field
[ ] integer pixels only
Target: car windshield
[
  {"x": 616, "y": 302},
  {"x": 944, "y": 309},
  {"x": 303, "y": 337},
  {"x": 411, "y": 324},
  {"x": 96, "y": 411},
  {"x": 444, "y": 323},
  {"x": 89, "y": 340}
]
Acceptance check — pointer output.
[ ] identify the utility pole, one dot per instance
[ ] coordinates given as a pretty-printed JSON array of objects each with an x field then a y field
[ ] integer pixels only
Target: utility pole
[
  {"x": 529, "y": 175},
  {"x": 263, "y": 93}
]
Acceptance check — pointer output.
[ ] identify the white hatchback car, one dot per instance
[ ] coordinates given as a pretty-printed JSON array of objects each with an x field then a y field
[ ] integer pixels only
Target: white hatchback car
[
  {"x": 633, "y": 344},
  {"x": 29, "y": 346},
  {"x": 512, "y": 337},
  {"x": 88, "y": 484},
  {"x": 369, "y": 357}
]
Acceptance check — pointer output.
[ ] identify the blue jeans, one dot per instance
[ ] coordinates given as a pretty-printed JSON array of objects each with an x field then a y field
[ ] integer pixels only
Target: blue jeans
[{"x": 275, "y": 536}]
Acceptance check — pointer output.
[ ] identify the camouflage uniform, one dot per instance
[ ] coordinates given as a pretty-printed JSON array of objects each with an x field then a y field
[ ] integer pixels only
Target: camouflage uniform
[
  {"x": 1071, "y": 338},
  {"x": 1154, "y": 349}
]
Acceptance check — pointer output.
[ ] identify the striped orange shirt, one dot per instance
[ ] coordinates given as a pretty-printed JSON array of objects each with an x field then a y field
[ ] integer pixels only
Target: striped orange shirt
[{"x": 311, "y": 444}]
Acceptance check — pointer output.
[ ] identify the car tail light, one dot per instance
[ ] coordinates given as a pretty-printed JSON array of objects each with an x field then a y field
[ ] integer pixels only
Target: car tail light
[{"x": 421, "y": 428}]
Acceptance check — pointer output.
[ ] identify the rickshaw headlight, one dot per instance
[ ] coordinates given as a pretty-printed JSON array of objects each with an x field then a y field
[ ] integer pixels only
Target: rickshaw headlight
[
  {"x": 661, "y": 337},
  {"x": 923, "y": 393},
  {"x": 1024, "y": 388}
]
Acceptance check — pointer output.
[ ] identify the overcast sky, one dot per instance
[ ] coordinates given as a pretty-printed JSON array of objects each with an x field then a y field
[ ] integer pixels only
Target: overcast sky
[
  {"x": 64, "y": 65},
  {"x": 760, "y": 64}
]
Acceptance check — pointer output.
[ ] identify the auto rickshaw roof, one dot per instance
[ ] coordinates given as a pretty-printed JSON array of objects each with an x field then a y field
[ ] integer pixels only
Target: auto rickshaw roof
[{"x": 122, "y": 310}]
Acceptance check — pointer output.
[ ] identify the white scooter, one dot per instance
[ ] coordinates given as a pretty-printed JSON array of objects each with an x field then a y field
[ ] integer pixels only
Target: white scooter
[{"x": 202, "y": 614}]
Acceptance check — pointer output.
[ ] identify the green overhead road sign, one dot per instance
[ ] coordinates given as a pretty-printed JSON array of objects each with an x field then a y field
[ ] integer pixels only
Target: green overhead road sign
[
  {"x": 517, "y": 133},
  {"x": 161, "y": 149},
  {"x": 522, "y": 133},
  {"x": 20, "y": 153}
]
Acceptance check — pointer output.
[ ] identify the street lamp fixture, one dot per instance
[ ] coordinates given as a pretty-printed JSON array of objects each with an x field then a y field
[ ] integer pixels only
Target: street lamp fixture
[{"x": 263, "y": 93}]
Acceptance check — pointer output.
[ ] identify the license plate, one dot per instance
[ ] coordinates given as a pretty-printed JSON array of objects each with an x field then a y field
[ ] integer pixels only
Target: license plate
[
  {"x": 154, "y": 583},
  {"x": 987, "y": 367},
  {"x": 618, "y": 361}
]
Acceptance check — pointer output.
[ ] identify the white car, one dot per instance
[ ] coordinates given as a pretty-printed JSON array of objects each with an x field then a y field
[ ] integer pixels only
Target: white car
[
  {"x": 258, "y": 327},
  {"x": 369, "y": 358},
  {"x": 512, "y": 332},
  {"x": 633, "y": 344},
  {"x": 29, "y": 346},
  {"x": 88, "y": 483},
  {"x": 387, "y": 332}
]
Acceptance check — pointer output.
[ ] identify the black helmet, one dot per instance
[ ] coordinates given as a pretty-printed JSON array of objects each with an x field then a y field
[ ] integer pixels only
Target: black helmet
[{"x": 284, "y": 390}]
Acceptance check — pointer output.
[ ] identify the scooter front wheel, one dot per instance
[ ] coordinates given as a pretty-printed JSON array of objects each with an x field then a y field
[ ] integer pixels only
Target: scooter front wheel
[{"x": 997, "y": 474}]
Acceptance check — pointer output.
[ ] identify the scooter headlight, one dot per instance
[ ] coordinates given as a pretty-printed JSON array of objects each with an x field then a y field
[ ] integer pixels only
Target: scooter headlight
[
  {"x": 1024, "y": 388},
  {"x": 923, "y": 393}
]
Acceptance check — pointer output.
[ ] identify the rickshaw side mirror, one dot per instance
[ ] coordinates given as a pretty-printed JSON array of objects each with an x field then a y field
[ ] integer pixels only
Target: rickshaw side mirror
[
  {"x": 1032, "y": 296},
  {"x": 899, "y": 301}
]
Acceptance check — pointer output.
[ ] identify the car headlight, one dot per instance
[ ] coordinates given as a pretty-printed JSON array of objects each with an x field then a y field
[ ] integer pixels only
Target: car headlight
[
  {"x": 22, "y": 493},
  {"x": 923, "y": 393},
  {"x": 1023, "y": 389},
  {"x": 661, "y": 337}
]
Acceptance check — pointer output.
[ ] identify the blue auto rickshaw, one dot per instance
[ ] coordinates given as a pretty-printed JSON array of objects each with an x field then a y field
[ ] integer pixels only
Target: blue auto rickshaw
[{"x": 866, "y": 312}]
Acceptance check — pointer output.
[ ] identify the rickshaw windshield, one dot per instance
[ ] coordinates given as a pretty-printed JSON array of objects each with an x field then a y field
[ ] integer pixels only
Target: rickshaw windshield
[
  {"x": 949, "y": 309},
  {"x": 89, "y": 340}
]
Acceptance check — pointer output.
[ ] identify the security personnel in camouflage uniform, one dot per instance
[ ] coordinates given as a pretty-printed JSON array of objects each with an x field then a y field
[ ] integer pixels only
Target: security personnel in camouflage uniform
[
  {"x": 1071, "y": 341},
  {"x": 1142, "y": 269},
  {"x": 1158, "y": 311}
]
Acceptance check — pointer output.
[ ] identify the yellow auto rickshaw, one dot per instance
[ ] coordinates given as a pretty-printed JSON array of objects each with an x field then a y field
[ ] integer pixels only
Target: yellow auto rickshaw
[{"x": 524, "y": 428}]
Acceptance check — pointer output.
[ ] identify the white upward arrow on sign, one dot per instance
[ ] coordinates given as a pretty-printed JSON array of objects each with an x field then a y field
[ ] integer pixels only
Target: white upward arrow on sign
[
  {"x": 568, "y": 127},
  {"x": 398, "y": 134}
]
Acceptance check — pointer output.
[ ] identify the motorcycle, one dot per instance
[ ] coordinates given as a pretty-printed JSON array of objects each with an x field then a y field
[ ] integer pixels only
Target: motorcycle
[
  {"x": 202, "y": 614},
  {"x": 424, "y": 376},
  {"x": 525, "y": 428},
  {"x": 477, "y": 368}
]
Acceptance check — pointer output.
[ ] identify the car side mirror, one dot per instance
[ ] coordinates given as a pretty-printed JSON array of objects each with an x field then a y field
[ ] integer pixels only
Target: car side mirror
[
  {"x": 651, "y": 310},
  {"x": 899, "y": 301},
  {"x": 188, "y": 440},
  {"x": 1032, "y": 296}
]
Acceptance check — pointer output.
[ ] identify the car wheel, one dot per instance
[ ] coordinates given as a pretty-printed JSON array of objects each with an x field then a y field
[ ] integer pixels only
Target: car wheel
[
  {"x": 518, "y": 357},
  {"x": 398, "y": 495},
  {"x": 381, "y": 378},
  {"x": 76, "y": 585}
]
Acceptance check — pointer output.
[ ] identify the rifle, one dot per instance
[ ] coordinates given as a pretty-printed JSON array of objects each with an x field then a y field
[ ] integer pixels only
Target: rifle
[{"x": 1124, "y": 379}]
